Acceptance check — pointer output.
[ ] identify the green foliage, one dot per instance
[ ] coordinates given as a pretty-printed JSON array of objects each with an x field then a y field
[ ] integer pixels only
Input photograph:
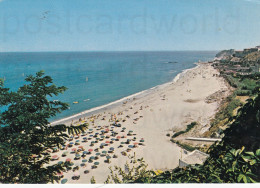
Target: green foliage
[
  {"x": 232, "y": 105},
  {"x": 245, "y": 84},
  {"x": 92, "y": 180},
  {"x": 189, "y": 127},
  {"x": 136, "y": 173},
  {"x": 235, "y": 166},
  {"x": 26, "y": 133},
  {"x": 185, "y": 146}
]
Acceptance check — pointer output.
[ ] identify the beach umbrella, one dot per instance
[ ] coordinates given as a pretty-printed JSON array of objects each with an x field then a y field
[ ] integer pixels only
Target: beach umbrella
[
  {"x": 60, "y": 174},
  {"x": 96, "y": 133},
  {"x": 90, "y": 129},
  {"x": 108, "y": 157},
  {"x": 92, "y": 142},
  {"x": 77, "y": 140},
  {"x": 68, "y": 160},
  {"x": 71, "y": 143},
  {"x": 92, "y": 158},
  {"x": 84, "y": 160},
  {"x": 130, "y": 131},
  {"x": 104, "y": 152},
  {"x": 73, "y": 149},
  {"x": 65, "y": 153},
  {"x": 83, "y": 164},
  {"x": 76, "y": 174},
  {"x": 81, "y": 147},
  {"x": 77, "y": 155},
  {"x": 90, "y": 150},
  {"x": 112, "y": 149},
  {"x": 85, "y": 152},
  {"x": 123, "y": 128},
  {"x": 102, "y": 136},
  {"x": 85, "y": 138},
  {"x": 76, "y": 136},
  {"x": 64, "y": 181},
  {"x": 113, "y": 139},
  {"x": 96, "y": 163},
  {"x": 107, "y": 142},
  {"x": 62, "y": 147},
  {"x": 55, "y": 157},
  {"x": 91, "y": 135},
  {"x": 118, "y": 137},
  {"x": 97, "y": 154},
  {"x": 130, "y": 146},
  {"x": 106, "y": 130},
  {"x": 103, "y": 144},
  {"x": 60, "y": 162},
  {"x": 142, "y": 140},
  {"x": 122, "y": 143}
]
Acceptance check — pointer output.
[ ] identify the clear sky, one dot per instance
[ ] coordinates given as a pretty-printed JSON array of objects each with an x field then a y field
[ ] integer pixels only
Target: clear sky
[{"x": 128, "y": 25}]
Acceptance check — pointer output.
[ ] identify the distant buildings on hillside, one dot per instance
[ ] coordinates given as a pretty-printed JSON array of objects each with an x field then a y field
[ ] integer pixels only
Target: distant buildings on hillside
[{"x": 243, "y": 62}]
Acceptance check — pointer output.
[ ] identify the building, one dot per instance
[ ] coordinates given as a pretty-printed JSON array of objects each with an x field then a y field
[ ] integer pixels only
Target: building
[
  {"x": 239, "y": 54},
  {"x": 192, "y": 158},
  {"x": 235, "y": 60},
  {"x": 250, "y": 50}
]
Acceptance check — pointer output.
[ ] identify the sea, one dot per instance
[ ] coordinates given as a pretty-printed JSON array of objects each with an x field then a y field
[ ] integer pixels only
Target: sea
[{"x": 97, "y": 78}]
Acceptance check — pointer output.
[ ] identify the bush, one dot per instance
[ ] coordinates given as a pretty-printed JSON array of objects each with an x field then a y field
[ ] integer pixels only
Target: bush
[{"x": 189, "y": 127}]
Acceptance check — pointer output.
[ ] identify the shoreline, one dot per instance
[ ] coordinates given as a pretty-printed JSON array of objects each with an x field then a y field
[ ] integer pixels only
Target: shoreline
[
  {"x": 86, "y": 113},
  {"x": 151, "y": 116}
]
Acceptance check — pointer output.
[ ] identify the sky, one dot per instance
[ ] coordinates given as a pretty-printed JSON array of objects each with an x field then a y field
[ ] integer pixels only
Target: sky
[{"x": 128, "y": 25}]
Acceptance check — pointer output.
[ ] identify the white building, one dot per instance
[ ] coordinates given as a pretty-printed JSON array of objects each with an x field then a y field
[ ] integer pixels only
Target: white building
[{"x": 192, "y": 158}]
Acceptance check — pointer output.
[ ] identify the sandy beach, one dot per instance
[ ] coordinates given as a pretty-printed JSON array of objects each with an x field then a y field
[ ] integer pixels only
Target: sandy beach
[{"x": 149, "y": 116}]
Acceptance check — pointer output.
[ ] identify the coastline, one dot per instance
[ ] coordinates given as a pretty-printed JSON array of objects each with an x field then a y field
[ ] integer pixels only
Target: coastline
[
  {"x": 99, "y": 109},
  {"x": 152, "y": 115}
]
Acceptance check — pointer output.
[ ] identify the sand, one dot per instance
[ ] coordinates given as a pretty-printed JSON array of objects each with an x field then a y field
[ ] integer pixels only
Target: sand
[{"x": 151, "y": 115}]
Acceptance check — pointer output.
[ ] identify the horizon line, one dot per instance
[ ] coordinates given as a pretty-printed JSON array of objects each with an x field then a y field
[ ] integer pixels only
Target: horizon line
[{"x": 111, "y": 51}]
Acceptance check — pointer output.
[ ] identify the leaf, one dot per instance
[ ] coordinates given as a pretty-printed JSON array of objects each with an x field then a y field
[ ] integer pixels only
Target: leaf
[
  {"x": 245, "y": 179},
  {"x": 252, "y": 162},
  {"x": 253, "y": 181},
  {"x": 246, "y": 158},
  {"x": 250, "y": 153},
  {"x": 240, "y": 177},
  {"x": 242, "y": 149},
  {"x": 257, "y": 152}
]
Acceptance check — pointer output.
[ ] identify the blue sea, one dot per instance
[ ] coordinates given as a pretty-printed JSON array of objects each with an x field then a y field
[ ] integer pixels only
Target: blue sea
[{"x": 97, "y": 78}]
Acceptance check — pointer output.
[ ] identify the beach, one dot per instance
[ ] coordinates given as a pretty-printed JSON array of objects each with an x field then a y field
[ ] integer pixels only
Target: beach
[{"x": 145, "y": 118}]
